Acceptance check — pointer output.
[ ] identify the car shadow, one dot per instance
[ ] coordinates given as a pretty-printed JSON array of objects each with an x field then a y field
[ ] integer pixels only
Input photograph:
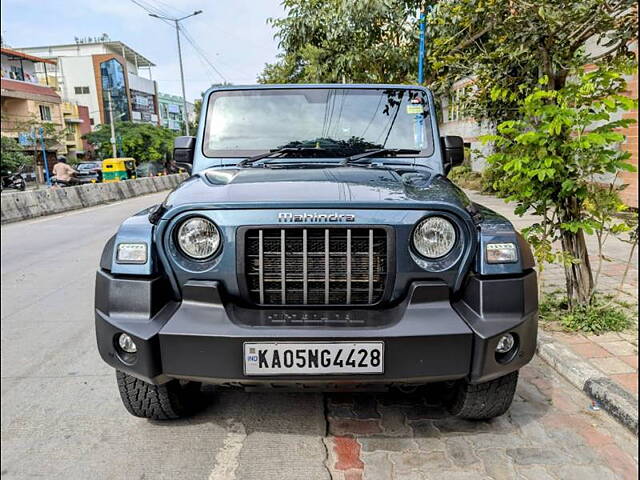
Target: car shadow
[{"x": 394, "y": 415}]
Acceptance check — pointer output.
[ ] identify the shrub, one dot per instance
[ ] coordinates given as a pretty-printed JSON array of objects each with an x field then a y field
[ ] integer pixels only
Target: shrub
[
  {"x": 12, "y": 156},
  {"x": 602, "y": 315},
  {"x": 464, "y": 177},
  {"x": 548, "y": 161}
]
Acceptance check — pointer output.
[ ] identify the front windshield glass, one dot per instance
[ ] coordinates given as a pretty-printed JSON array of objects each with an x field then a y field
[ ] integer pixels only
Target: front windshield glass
[
  {"x": 336, "y": 121},
  {"x": 87, "y": 166}
]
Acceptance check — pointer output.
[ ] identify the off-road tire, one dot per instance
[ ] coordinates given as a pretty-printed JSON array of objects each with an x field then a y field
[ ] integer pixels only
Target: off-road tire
[
  {"x": 158, "y": 402},
  {"x": 486, "y": 400}
]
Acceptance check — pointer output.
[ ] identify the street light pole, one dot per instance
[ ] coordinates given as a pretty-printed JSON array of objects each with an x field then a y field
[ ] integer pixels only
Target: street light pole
[
  {"x": 113, "y": 128},
  {"x": 184, "y": 96},
  {"x": 177, "y": 21}
]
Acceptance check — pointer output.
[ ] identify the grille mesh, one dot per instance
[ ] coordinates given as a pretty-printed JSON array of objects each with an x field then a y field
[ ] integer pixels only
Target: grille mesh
[{"x": 316, "y": 266}]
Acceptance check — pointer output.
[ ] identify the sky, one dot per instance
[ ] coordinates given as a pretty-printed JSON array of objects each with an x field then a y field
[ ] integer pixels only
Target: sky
[{"x": 232, "y": 34}]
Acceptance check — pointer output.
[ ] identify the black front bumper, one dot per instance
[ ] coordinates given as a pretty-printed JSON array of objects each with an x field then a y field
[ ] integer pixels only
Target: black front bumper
[{"x": 427, "y": 338}]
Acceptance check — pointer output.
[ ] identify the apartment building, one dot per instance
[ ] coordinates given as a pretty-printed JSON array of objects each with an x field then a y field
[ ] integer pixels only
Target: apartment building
[
  {"x": 100, "y": 72},
  {"x": 170, "y": 109},
  {"x": 27, "y": 105},
  {"x": 77, "y": 123}
]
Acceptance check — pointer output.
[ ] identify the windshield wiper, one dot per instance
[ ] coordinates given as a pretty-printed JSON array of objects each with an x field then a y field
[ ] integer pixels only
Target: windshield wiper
[
  {"x": 380, "y": 151},
  {"x": 270, "y": 153}
]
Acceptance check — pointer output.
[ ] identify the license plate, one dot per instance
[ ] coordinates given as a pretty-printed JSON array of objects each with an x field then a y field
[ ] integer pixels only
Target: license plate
[{"x": 295, "y": 358}]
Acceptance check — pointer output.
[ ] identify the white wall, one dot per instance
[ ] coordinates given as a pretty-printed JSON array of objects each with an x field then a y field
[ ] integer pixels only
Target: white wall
[
  {"x": 66, "y": 50},
  {"x": 78, "y": 72},
  {"x": 141, "y": 84}
]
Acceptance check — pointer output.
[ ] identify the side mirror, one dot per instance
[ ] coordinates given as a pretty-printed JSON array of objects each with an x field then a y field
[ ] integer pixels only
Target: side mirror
[
  {"x": 183, "y": 150},
  {"x": 453, "y": 151}
]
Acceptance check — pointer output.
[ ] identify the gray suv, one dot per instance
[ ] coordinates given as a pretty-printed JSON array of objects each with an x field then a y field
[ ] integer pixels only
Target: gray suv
[{"x": 316, "y": 244}]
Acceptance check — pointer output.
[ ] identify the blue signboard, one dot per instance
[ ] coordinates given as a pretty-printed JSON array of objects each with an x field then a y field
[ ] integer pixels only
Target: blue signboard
[{"x": 25, "y": 139}]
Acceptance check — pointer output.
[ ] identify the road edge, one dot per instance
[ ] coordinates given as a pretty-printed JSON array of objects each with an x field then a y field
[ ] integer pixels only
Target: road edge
[{"x": 612, "y": 398}]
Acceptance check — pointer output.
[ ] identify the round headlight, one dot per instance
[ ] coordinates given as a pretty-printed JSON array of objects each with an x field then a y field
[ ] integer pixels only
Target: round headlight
[
  {"x": 434, "y": 237},
  {"x": 198, "y": 238}
]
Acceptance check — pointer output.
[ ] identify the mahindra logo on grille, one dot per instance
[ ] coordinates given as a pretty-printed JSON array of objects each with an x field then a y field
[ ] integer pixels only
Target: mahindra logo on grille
[{"x": 288, "y": 217}]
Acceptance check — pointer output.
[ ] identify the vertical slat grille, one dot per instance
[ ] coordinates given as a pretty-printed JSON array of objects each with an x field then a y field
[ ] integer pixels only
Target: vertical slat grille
[
  {"x": 370, "y": 265},
  {"x": 261, "y": 264},
  {"x": 283, "y": 266},
  {"x": 316, "y": 266},
  {"x": 327, "y": 255},
  {"x": 348, "y": 266}
]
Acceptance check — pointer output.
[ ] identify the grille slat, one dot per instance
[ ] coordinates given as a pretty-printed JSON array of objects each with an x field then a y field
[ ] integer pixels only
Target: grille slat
[
  {"x": 305, "y": 276},
  {"x": 283, "y": 269},
  {"x": 370, "y": 265},
  {"x": 327, "y": 254},
  {"x": 349, "y": 266},
  {"x": 261, "y": 264},
  {"x": 315, "y": 266}
]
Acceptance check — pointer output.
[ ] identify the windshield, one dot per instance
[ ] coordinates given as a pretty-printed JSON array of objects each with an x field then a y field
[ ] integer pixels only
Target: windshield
[
  {"x": 87, "y": 166},
  {"x": 336, "y": 121}
]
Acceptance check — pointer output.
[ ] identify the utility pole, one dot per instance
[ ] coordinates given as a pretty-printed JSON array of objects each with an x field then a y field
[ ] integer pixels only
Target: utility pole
[
  {"x": 113, "y": 128},
  {"x": 44, "y": 157},
  {"x": 177, "y": 21},
  {"x": 423, "y": 22}
]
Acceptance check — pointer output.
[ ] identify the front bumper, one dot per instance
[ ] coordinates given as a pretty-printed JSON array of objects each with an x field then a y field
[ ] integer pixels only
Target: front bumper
[{"x": 428, "y": 338}]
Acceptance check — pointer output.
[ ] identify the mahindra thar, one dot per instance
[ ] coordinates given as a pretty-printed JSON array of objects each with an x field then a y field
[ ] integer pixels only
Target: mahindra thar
[{"x": 317, "y": 244}]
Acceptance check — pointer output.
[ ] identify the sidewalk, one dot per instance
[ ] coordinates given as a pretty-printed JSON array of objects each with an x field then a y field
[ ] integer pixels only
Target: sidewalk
[{"x": 614, "y": 355}]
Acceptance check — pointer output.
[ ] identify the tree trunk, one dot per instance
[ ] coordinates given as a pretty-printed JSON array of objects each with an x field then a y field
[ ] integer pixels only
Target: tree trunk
[{"x": 578, "y": 275}]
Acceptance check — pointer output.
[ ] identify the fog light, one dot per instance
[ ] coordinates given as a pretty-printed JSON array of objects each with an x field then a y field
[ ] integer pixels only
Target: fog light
[
  {"x": 506, "y": 343},
  {"x": 126, "y": 343}
]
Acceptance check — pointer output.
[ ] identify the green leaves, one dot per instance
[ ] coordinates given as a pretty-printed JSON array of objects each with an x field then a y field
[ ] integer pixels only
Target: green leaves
[
  {"x": 511, "y": 49},
  {"x": 142, "y": 141},
  {"x": 554, "y": 160},
  {"x": 368, "y": 41},
  {"x": 12, "y": 156}
]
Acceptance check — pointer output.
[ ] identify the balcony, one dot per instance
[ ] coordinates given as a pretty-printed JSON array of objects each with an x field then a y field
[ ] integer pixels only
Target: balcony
[{"x": 28, "y": 91}]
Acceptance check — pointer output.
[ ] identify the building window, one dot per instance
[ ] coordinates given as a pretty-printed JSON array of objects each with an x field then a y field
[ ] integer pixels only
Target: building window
[
  {"x": 81, "y": 90},
  {"x": 458, "y": 103},
  {"x": 45, "y": 113},
  {"x": 16, "y": 73},
  {"x": 113, "y": 80}
]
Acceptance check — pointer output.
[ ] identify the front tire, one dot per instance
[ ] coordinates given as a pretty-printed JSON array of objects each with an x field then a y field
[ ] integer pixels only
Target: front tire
[
  {"x": 158, "y": 402},
  {"x": 486, "y": 400}
]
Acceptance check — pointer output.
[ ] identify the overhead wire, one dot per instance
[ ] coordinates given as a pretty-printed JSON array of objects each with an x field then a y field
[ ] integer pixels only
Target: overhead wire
[
  {"x": 201, "y": 52},
  {"x": 152, "y": 9}
]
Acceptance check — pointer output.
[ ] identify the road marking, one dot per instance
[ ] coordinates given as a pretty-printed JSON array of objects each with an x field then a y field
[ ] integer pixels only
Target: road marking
[{"x": 227, "y": 457}]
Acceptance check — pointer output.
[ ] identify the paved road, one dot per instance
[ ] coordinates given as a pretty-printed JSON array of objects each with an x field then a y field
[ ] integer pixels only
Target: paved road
[{"x": 62, "y": 417}]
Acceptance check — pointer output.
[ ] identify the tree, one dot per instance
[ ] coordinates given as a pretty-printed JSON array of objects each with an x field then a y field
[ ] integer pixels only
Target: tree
[
  {"x": 369, "y": 41},
  {"x": 12, "y": 156},
  {"x": 551, "y": 162},
  {"x": 142, "y": 141},
  {"x": 197, "y": 108},
  {"x": 506, "y": 46}
]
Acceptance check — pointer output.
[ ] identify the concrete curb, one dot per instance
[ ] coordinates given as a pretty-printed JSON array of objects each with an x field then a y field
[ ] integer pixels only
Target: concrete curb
[
  {"x": 619, "y": 403},
  {"x": 38, "y": 203}
]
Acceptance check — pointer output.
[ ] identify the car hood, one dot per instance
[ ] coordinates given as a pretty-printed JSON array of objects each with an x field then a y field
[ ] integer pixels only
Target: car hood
[{"x": 339, "y": 187}]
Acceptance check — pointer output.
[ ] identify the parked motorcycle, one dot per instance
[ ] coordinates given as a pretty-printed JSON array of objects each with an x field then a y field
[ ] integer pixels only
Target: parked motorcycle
[{"x": 15, "y": 180}]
